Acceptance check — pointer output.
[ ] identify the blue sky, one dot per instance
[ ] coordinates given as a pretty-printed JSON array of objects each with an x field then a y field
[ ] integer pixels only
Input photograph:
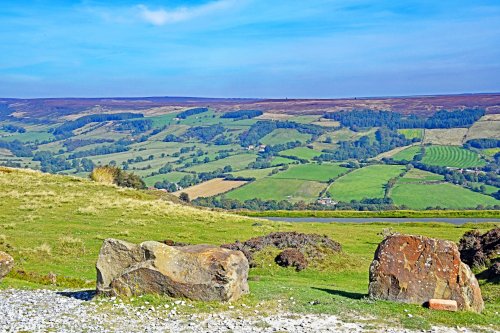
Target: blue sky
[{"x": 248, "y": 48}]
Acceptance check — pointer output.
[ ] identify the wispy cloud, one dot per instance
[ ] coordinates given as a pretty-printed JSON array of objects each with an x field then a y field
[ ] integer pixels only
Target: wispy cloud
[{"x": 163, "y": 16}]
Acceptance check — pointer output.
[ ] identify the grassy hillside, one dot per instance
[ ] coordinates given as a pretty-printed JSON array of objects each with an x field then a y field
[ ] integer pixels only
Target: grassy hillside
[
  {"x": 363, "y": 183},
  {"x": 317, "y": 172},
  {"x": 271, "y": 188},
  {"x": 57, "y": 224},
  {"x": 444, "y": 195}
]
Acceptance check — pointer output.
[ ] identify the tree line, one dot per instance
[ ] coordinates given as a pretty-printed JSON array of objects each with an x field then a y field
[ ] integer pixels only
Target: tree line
[
  {"x": 385, "y": 139},
  {"x": 69, "y": 126},
  {"x": 191, "y": 112},
  {"x": 262, "y": 128},
  {"x": 373, "y": 118}
]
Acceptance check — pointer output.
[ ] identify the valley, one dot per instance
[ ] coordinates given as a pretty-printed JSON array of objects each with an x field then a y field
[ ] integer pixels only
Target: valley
[{"x": 268, "y": 154}]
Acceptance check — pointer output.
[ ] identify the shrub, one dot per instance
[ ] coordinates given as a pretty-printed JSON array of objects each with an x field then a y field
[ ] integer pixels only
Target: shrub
[
  {"x": 105, "y": 174},
  {"x": 114, "y": 175},
  {"x": 184, "y": 197}
]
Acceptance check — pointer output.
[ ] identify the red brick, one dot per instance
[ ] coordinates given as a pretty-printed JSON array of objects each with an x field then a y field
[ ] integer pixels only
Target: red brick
[{"x": 443, "y": 304}]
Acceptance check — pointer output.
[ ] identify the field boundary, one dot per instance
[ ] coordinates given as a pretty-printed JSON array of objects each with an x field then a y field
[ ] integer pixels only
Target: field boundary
[{"x": 387, "y": 214}]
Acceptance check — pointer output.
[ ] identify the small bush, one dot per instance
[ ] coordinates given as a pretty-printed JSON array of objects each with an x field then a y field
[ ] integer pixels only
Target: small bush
[
  {"x": 105, "y": 174},
  {"x": 71, "y": 245},
  {"x": 43, "y": 250},
  {"x": 113, "y": 175}
]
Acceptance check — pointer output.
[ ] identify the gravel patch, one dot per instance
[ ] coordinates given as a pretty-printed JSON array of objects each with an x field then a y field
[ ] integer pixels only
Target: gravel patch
[{"x": 48, "y": 310}]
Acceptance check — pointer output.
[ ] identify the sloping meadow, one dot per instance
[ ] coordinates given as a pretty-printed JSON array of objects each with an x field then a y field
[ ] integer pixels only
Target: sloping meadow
[{"x": 55, "y": 225}]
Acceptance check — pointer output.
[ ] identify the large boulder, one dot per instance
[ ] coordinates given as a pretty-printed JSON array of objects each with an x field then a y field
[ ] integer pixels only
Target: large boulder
[
  {"x": 415, "y": 269},
  {"x": 198, "y": 272},
  {"x": 6, "y": 264}
]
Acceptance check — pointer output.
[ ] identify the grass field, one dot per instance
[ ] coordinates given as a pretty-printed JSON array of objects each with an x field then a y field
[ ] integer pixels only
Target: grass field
[
  {"x": 50, "y": 225},
  {"x": 301, "y": 152},
  {"x": 326, "y": 123},
  {"x": 367, "y": 182},
  {"x": 278, "y": 160},
  {"x": 312, "y": 171},
  {"x": 391, "y": 153},
  {"x": 237, "y": 162},
  {"x": 444, "y": 195},
  {"x": 345, "y": 134},
  {"x": 271, "y": 188},
  {"x": 411, "y": 133},
  {"x": 282, "y": 135},
  {"x": 416, "y": 175},
  {"x": 211, "y": 188},
  {"x": 452, "y": 156},
  {"x": 489, "y": 189},
  {"x": 172, "y": 177},
  {"x": 407, "y": 154},
  {"x": 253, "y": 173},
  {"x": 491, "y": 151},
  {"x": 487, "y": 127},
  {"x": 449, "y": 136}
]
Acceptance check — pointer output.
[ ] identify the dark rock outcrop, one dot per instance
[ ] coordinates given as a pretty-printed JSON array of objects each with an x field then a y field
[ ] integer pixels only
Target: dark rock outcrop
[
  {"x": 494, "y": 271},
  {"x": 292, "y": 258},
  {"x": 478, "y": 249},
  {"x": 199, "y": 272},
  {"x": 6, "y": 264},
  {"x": 415, "y": 269},
  {"x": 284, "y": 240}
]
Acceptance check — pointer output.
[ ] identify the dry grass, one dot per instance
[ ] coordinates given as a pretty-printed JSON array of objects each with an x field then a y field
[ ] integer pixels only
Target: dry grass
[
  {"x": 326, "y": 123},
  {"x": 445, "y": 137},
  {"x": 487, "y": 127},
  {"x": 71, "y": 245},
  {"x": 274, "y": 116},
  {"x": 5, "y": 153},
  {"x": 391, "y": 153},
  {"x": 210, "y": 188}
]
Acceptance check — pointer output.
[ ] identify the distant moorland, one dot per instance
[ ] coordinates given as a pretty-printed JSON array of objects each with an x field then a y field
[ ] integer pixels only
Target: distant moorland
[{"x": 418, "y": 153}]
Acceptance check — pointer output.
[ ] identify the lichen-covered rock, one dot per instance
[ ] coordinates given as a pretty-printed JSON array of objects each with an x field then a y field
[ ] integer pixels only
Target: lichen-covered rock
[
  {"x": 415, "y": 269},
  {"x": 6, "y": 264},
  {"x": 199, "y": 272},
  {"x": 292, "y": 258}
]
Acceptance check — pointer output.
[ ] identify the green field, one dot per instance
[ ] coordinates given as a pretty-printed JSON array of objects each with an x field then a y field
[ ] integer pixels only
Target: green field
[
  {"x": 411, "y": 133},
  {"x": 489, "y": 189},
  {"x": 444, "y": 195},
  {"x": 284, "y": 135},
  {"x": 55, "y": 224},
  {"x": 164, "y": 119},
  {"x": 407, "y": 154},
  {"x": 253, "y": 173},
  {"x": 237, "y": 162},
  {"x": 301, "y": 152},
  {"x": 367, "y": 182},
  {"x": 29, "y": 136},
  {"x": 270, "y": 188},
  {"x": 491, "y": 151},
  {"x": 420, "y": 176},
  {"x": 312, "y": 171},
  {"x": 172, "y": 177},
  {"x": 278, "y": 160},
  {"x": 452, "y": 156}
]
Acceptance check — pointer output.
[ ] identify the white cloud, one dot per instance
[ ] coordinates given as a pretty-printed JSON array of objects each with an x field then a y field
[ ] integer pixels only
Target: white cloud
[{"x": 163, "y": 16}]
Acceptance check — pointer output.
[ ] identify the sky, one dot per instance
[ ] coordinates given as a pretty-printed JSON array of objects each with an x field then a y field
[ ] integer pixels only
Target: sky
[{"x": 248, "y": 48}]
